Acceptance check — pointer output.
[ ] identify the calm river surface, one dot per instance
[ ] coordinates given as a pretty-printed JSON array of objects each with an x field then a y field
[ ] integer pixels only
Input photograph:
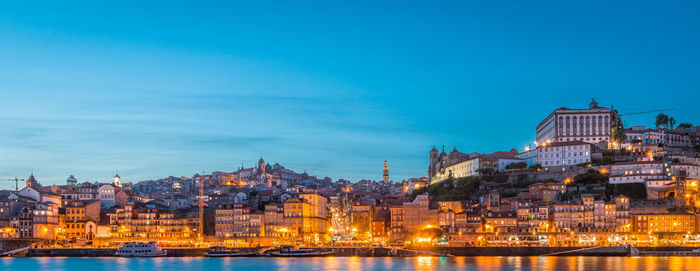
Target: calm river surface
[{"x": 352, "y": 263}]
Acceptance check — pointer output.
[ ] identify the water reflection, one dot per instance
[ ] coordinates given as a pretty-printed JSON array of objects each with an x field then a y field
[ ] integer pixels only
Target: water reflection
[{"x": 354, "y": 263}]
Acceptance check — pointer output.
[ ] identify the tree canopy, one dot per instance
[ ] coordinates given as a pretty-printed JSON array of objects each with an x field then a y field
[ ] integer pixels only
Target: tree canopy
[
  {"x": 661, "y": 120},
  {"x": 591, "y": 176},
  {"x": 450, "y": 189},
  {"x": 516, "y": 165}
]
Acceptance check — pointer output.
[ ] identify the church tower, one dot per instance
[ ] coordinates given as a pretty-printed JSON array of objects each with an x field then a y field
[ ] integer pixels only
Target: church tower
[
  {"x": 433, "y": 161},
  {"x": 71, "y": 180},
  {"x": 32, "y": 182},
  {"x": 386, "y": 172},
  {"x": 261, "y": 166},
  {"x": 117, "y": 180}
]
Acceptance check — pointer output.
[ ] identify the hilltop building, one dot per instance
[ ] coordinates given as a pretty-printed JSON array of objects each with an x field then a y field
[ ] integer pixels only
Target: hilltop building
[{"x": 590, "y": 125}]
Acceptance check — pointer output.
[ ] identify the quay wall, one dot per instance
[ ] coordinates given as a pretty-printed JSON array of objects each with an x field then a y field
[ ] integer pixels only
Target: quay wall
[
  {"x": 105, "y": 252},
  {"x": 380, "y": 252}
]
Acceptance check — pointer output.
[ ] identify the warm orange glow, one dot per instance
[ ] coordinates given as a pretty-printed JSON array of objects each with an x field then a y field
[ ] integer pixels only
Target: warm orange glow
[{"x": 603, "y": 171}]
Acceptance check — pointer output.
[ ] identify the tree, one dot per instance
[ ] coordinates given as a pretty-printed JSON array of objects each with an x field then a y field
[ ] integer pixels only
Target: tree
[
  {"x": 549, "y": 180},
  {"x": 516, "y": 165},
  {"x": 589, "y": 177},
  {"x": 661, "y": 120},
  {"x": 685, "y": 125},
  {"x": 671, "y": 123},
  {"x": 535, "y": 167},
  {"x": 618, "y": 129},
  {"x": 566, "y": 196},
  {"x": 632, "y": 190}
]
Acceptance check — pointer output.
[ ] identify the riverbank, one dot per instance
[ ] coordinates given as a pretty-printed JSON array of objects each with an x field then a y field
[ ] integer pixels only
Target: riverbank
[{"x": 377, "y": 251}]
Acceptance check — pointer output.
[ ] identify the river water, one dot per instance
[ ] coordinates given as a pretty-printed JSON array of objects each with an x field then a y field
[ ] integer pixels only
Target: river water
[{"x": 352, "y": 263}]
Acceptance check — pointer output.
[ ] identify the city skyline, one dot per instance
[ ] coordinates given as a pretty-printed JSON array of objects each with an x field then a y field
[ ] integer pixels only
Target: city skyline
[{"x": 334, "y": 91}]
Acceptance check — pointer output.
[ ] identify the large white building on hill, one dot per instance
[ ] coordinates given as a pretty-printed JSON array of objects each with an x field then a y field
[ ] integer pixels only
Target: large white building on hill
[
  {"x": 590, "y": 125},
  {"x": 563, "y": 154}
]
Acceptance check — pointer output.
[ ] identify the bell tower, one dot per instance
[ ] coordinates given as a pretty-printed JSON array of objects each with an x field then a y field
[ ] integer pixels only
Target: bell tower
[
  {"x": 386, "y": 172},
  {"x": 117, "y": 180}
]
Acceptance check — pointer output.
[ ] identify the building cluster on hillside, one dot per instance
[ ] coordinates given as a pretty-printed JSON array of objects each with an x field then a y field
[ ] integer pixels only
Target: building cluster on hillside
[{"x": 585, "y": 181}]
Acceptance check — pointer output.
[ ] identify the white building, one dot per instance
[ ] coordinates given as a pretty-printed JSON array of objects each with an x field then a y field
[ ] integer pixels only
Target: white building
[
  {"x": 529, "y": 156},
  {"x": 590, "y": 125},
  {"x": 637, "y": 172},
  {"x": 497, "y": 161},
  {"x": 684, "y": 169},
  {"x": 663, "y": 136},
  {"x": 40, "y": 196},
  {"x": 459, "y": 170},
  {"x": 562, "y": 154},
  {"x": 106, "y": 196},
  {"x": 637, "y": 167},
  {"x": 635, "y": 178}
]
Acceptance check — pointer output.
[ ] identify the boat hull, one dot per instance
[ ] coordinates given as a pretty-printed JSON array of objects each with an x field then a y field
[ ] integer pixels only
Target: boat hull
[
  {"x": 297, "y": 255},
  {"x": 130, "y": 255},
  {"x": 226, "y": 255}
]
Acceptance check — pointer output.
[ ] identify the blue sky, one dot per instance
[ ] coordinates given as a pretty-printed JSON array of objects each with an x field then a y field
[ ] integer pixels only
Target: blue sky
[{"x": 335, "y": 88}]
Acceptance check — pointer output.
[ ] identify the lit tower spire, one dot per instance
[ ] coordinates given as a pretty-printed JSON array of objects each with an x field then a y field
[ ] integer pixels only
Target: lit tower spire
[
  {"x": 117, "y": 180},
  {"x": 386, "y": 172}
]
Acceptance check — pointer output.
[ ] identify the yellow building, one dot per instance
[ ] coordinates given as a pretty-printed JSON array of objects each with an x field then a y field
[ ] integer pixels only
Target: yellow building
[
  {"x": 78, "y": 213},
  {"x": 306, "y": 218},
  {"x": 675, "y": 223}
]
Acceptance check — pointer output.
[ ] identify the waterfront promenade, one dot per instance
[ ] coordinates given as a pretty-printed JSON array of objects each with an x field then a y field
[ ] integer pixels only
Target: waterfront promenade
[{"x": 394, "y": 252}]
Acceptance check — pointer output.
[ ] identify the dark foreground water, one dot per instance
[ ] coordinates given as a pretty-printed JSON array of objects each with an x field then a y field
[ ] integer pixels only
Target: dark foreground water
[{"x": 352, "y": 263}]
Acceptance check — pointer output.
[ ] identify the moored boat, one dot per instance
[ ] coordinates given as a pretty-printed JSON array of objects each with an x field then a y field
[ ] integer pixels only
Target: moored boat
[
  {"x": 141, "y": 249},
  {"x": 227, "y": 252},
  {"x": 288, "y": 251}
]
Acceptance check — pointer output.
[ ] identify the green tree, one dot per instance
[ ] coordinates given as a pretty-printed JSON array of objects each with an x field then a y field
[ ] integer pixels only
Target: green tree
[
  {"x": 549, "y": 180},
  {"x": 632, "y": 190},
  {"x": 618, "y": 129},
  {"x": 685, "y": 125},
  {"x": 535, "y": 167},
  {"x": 566, "y": 196},
  {"x": 516, "y": 165},
  {"x": 661, "y": 120},
  {"x": 591, "y": 176},
  {"x": 671, "y": 123}
]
